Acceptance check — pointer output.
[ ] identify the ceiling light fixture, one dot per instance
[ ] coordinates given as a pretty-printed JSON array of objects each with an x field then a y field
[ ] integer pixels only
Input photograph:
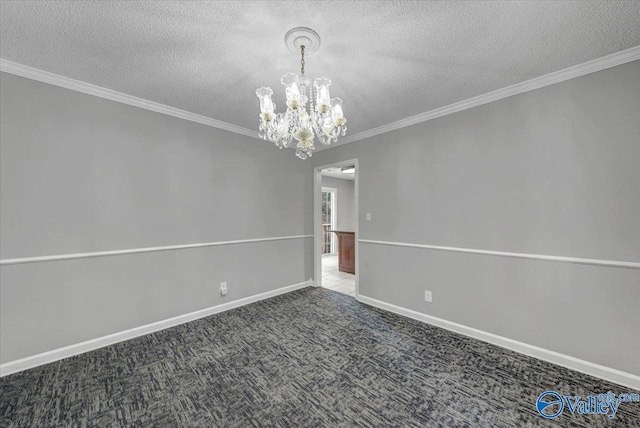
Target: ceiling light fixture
[
  {"x": 348, "y": 170},
  {"x": 305, "y": 117}
]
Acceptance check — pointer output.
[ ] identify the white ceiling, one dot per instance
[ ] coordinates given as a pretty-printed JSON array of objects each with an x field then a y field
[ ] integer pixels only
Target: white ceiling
[{"x": 387, "y": 60}]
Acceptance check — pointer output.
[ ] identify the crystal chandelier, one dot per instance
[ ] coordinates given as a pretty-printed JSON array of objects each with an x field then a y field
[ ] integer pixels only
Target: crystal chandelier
[{"x": 306, "y": 117}]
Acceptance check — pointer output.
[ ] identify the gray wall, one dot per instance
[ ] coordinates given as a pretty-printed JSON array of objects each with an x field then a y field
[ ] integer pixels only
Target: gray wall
[
  {"x": 554, "y": 172},
  {"x": 81, "y": 174},
  {"x": 345, "y": 215}
]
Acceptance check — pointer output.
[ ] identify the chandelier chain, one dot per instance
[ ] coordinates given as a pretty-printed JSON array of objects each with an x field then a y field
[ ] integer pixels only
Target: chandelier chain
[{"x": 302, "y": 60}]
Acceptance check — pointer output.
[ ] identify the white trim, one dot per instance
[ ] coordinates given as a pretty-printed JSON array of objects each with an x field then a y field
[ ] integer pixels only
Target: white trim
[
  {"x": 317, "y": 220},
  {"x": 317, "y": 227},
  {"x": 109, "y": 94},
  {"x": 597, "y": 370},
  {"x": 582, "y": 261},
  {"x": 17, "y": 261},
  {"x": 90, "y": 345},
  {"x": 356, "y": 208},
  {"x": 578, "y": 70},
  {"x": 588, "y": 67}
]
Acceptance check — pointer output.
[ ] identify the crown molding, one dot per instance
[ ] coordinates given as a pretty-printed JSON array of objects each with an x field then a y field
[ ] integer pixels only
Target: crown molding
[
  {"x": 612, "y": 60},
  {"x": 109, "y": 94},
  {"x": 618, "y": 58}
]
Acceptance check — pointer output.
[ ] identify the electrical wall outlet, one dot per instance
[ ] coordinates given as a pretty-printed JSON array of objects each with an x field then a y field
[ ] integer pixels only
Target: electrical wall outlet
[
  {"x": 223, "y": 288},
  {"x": 428, "y": 296},
  {"x": 368, "y": 216}
]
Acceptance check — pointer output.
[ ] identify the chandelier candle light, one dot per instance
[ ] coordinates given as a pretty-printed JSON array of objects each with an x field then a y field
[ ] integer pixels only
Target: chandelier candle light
[{"x": 305, "y": 117}]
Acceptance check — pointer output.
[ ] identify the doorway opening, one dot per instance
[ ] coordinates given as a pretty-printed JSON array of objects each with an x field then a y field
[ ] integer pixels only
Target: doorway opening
[{"x": 336, "y": 224}]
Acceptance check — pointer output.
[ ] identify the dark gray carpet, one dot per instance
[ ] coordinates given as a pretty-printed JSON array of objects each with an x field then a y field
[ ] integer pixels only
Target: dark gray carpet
[{"x": 311, "y": 358}]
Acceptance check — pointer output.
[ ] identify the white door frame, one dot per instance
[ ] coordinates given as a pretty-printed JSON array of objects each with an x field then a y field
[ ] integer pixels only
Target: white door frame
[{"x": 317, "y": 220}]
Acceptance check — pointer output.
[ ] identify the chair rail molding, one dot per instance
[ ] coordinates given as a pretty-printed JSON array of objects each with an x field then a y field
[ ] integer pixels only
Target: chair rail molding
[
  {"x": 562, "y": 259},
  {"x": 23, "y": 260}
]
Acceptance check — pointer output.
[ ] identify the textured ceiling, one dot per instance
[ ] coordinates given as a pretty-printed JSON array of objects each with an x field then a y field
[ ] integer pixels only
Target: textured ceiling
[{"x": 387, "y": 60}]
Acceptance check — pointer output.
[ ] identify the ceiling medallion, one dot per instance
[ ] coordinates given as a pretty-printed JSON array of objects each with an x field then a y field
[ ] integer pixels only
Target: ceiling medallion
[{"x": 306, "y": 117}]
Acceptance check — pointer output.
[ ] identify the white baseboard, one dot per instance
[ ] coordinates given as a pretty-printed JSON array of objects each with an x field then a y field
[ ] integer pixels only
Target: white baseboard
[
  {"x": 612, "y": 375},
  {"x": 90, "y": 345}
]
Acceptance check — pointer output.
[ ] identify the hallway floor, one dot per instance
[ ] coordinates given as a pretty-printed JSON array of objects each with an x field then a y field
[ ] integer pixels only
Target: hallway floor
[{"x": 335, "y": 280}]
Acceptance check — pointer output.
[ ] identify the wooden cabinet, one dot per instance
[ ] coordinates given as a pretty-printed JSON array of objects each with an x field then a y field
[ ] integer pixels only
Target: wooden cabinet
[{"x": 346, "y": 251}]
